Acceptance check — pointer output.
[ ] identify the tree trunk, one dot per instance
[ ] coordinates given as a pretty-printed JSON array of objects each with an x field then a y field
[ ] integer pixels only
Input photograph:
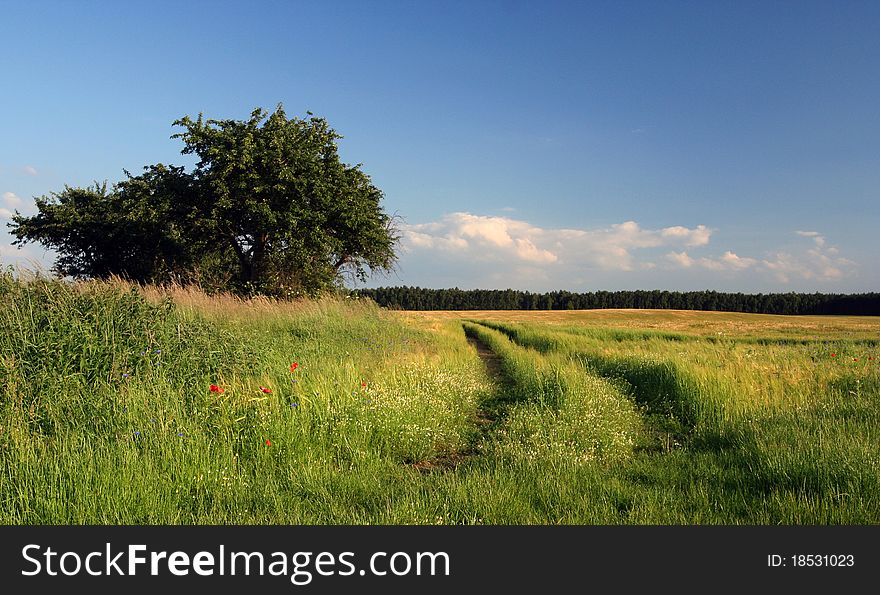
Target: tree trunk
[
  {"x": 258, "y": 258},
  {"x": 244, "y": 264}
]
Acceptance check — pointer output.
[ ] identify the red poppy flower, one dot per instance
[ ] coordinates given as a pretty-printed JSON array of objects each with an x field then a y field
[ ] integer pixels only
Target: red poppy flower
[
  {"x": 265, "y": 390},
  {"x": 216, "y": 389},
  {"x": 268, "y": 443},
  {"x": 294, "y": 366},
  {"x": 833, "y": 355},
  {"x": 363, "y": 385}
]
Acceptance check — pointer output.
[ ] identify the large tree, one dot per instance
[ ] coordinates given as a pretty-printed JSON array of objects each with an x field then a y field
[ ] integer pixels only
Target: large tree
[{"x": 269, "y": 207}]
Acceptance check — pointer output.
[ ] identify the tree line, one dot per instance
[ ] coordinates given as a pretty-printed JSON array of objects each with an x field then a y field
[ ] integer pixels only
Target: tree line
[{"x": 420, "y": 298}]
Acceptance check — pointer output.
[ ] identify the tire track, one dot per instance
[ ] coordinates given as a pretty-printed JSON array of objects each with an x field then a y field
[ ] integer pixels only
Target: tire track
[{"x": 486, "y": 416}]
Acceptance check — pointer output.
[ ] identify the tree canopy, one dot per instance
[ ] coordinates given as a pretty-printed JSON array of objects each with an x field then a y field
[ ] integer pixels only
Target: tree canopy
[{"x": 268, "y": 208}]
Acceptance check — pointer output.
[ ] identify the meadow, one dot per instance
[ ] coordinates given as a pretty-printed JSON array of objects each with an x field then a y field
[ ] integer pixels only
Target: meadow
[{"x": 122, "y": 404}]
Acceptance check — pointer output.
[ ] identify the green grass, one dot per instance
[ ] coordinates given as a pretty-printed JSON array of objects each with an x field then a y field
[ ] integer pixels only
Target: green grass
[
  {"x": 742, "y": 431},
  {"x": 552, "y": 412},
  {"x": 106, "y": 416}
]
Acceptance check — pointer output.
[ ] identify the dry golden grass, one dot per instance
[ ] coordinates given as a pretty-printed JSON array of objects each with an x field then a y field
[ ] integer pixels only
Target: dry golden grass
[
  {"x": 220, "y": 305},
  {"x": 227, "y": 306},
  {"x": 700, "y": 323}
]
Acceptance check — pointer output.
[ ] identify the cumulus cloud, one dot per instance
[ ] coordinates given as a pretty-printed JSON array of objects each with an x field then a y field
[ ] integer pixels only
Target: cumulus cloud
[
  {"x": 818, "y": 238},
  {"x": 485, "y": 238},
  {"x": 482, "y": 237},
  {"x": 727, "y": 262},
  {"x": 29, "y": 170},
  {"x": 629, "y": 235},
  {"x": 469, "y": 250},
  {"x": 5, "y": 213},
  {"x": 502, "y": 251},
  {"x": 681, "y": 259},
  {"x": 814, "y": 265},
  {"x": 690, "y": 237},
  {"x": 734, "y": 262},
  {"x": 11, "y": 200},
  {"x": 819, "y": 263}
]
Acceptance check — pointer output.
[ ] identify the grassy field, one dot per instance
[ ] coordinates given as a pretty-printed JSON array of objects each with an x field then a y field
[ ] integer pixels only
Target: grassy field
[{"x": 126, "y": 405}]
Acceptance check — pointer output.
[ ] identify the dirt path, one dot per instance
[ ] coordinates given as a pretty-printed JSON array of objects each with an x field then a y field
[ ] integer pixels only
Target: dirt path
[
  {"x": 484, "y": 419},
  {"x": 489, "y": 357}
]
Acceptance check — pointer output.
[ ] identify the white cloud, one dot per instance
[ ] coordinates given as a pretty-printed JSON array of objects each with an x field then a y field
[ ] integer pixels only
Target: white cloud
[
  {"x": 728, "y": 262},
  {"x": 527, "y": 251},
  {"x": 690, "y": 237},
  {"x": 11, "y": 200},
  {"x": 681, "y": 259},
  {"x": 632, "y": 235},
  {"x": 29, "y": 170},
  {"x": 486, "y": 238},
  {"x": 820, "y": 263},
  {"x": 815, "y": 264},
  {"x": 482, "y": 237},
  {"x": 5, "y": 213},
  {"x": 467, "y": 249},
  {"x": 737, "y": 262},
  {"x": 818, "y": 238}
]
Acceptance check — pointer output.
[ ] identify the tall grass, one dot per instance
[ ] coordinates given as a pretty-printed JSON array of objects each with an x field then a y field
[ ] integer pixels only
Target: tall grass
[
  {"x": 107, "y": 416},
  {"x": 106, "y": 413}
]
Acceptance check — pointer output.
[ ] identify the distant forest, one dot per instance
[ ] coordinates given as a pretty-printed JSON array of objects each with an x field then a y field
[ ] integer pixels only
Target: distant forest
[{"x": 418, "y": 298}]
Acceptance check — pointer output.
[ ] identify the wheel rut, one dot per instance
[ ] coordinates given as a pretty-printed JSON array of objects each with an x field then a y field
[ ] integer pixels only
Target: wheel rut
[
  {"x": 489, "y": 357},
  {"x": 486, "y": 416}
]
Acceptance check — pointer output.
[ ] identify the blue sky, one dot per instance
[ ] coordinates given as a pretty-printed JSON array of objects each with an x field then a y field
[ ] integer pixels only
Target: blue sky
[{"x": 536, "y": 145}]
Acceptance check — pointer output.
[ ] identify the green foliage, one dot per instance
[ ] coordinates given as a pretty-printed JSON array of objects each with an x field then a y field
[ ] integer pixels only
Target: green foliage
[
  {"x": 269, "y": 208},
  {"x": 140, "y": 229}
]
